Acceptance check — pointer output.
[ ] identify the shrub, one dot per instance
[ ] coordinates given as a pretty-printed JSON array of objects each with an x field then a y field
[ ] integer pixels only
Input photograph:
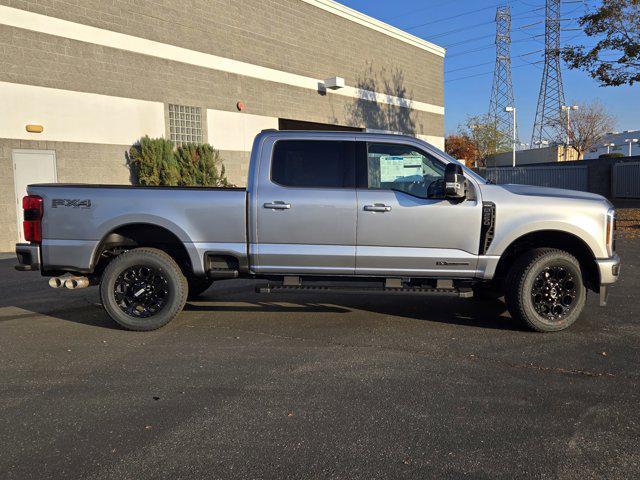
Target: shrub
[
  {"x": 611, "y": 155},
  {"x": 153, "y": 163},
  {"x": 198, "y": 164},
  {"x": 156, "y": 161}
]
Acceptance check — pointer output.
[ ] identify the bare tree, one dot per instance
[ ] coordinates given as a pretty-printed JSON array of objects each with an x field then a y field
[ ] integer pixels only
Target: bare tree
[{"x": 589, "y": 124}]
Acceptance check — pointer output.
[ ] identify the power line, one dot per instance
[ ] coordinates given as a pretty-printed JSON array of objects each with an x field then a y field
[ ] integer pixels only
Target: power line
[
  {"x": 463, "y": 42},
  {"x": 485, "y": 47},
  {"x": 491, "y": 61},
  {"x": 460, "y": 29},
  {"x": 489, "y": 72},
  {"x": 440, "y": 20}
]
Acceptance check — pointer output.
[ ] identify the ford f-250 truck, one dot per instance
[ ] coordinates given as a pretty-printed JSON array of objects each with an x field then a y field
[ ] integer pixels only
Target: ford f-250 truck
[{"x": 327, "y": 211}]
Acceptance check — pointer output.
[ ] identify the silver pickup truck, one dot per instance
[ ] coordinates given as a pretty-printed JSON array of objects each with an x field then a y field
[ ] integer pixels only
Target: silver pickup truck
[{"x": 327, "y": 212}]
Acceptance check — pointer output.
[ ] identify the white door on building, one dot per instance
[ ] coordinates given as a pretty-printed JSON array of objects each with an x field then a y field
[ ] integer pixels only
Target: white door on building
[{"x": 31, "y": 166}]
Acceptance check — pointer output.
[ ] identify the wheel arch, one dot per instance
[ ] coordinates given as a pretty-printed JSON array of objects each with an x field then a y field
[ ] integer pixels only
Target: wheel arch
[
  {"x": 141, "y": 234},
  {"x": 558, "y": 239}
]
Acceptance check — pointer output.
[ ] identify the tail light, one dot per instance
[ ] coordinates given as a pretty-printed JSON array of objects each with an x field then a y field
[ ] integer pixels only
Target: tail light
[{"x": 32, "y": 225}]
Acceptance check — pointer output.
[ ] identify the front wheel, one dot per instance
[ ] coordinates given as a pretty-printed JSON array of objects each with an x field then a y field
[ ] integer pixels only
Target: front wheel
[
  {"x": 143, "y": 289},
  {"x": 545, "y": 290}
]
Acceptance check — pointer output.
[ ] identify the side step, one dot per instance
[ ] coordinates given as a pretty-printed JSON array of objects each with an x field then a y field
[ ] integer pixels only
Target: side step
[
  {"x": 219, "y": 273},
  {"x": 457, "y": 292}
]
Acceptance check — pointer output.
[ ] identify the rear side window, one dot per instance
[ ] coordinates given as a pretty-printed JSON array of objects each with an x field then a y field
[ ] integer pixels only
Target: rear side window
[{"x": 314, "y": 164}]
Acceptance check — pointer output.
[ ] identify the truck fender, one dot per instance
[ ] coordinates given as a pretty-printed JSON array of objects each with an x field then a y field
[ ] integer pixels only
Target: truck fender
[{"x": 145, "y": 219}]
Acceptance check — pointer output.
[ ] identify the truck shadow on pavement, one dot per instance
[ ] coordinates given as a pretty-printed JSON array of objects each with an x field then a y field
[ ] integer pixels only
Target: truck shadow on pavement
[
  {"x": 454, "y": 311},
  {"x": 28, "y": 297}
]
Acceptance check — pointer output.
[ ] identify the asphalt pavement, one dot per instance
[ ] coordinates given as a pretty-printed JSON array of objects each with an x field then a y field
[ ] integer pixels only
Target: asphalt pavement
[{"x": 244, "y": 386}]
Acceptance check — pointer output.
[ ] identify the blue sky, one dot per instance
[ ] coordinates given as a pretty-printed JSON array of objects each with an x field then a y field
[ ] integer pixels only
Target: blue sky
[{"x": 463, "y": 25}]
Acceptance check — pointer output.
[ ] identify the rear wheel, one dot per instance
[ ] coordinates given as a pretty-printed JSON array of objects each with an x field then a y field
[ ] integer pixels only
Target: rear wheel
[
  {"x": 143, "y": 289},
  {"x": 545, "y": 290}
]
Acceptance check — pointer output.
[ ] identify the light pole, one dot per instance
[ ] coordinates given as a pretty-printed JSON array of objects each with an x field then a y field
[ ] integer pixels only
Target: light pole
[
  {"x": 609, "y": 145},
  {"x": 515, "y": 142},
  {"x": 630, "y": 141},
  {"x": 568, "y": 108}
]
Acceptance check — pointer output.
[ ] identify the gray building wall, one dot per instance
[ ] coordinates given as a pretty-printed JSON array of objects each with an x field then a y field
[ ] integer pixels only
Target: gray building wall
[{"x": 287, "y": 35}]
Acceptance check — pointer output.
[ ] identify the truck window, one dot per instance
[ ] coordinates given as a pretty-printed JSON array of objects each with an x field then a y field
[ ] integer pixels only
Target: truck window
[
  {"x": 314, "y": 164},
  {"x": 402, "y": 167}
]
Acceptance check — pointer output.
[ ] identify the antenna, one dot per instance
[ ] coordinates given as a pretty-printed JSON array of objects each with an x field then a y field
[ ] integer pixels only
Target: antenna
[
  {"x": 502, "y": 90},
  {"x": 548, "y": 123}
]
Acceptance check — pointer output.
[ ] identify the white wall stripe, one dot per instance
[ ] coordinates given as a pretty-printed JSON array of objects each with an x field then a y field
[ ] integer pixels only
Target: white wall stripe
[
  {"x": 69, "y": 116},
  {"x": 75, "y": 31},
  {"x": 369, "y": 22}
]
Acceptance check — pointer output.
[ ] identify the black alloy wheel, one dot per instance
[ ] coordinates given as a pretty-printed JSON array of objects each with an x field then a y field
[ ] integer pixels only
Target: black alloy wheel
[
  {"x": 554, "y": 293},
  {"x": 141, "y": 291}
]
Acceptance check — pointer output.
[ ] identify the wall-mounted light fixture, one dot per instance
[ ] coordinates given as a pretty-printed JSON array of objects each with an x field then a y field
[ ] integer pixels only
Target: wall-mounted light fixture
[
  {"x": 240, "y": 105},
  {"x": 35, "y": 128},
  {"x": 334, "y": 83}
]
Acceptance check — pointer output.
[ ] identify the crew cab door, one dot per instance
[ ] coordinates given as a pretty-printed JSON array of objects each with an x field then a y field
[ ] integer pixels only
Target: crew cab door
[
  {"x": 403, "y": 230},
  {"x": 306, "y": 208}
]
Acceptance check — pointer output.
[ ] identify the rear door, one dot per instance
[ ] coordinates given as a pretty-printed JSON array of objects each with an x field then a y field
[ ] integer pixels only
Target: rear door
[
  {"x": 402, "y": 229},
  {"x": 31, "y": 166},
  {"x": 306, "y": 208}
]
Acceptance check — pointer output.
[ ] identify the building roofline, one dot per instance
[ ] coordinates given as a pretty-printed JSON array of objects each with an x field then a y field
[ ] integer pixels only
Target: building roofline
[{"x": 370, "y": 22}]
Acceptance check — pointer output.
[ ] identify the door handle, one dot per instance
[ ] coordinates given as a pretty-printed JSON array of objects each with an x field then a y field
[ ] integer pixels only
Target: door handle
[
  {"x": 277, "y": 205},
  {"x": 378, "y": 207}
]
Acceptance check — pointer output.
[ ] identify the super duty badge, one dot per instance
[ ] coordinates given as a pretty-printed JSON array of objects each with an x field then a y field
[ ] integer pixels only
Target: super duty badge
[{"x": 70, "y": 202}]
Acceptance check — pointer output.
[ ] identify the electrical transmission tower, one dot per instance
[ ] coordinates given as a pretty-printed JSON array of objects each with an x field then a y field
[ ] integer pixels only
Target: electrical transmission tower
[
  {"x": 502, "y": 90},
  {"x": 551, "y": 99}
]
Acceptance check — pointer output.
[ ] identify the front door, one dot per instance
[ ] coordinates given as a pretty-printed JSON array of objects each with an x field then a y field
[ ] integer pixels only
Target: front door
[
  {"x": 306, "y": 209},
  {"x": 402, "y": 229},
  {"x": 31, "y": 166}
]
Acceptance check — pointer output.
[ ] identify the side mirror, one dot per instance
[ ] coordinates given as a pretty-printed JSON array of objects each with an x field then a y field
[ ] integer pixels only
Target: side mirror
[{"x": 455, "y": 185}]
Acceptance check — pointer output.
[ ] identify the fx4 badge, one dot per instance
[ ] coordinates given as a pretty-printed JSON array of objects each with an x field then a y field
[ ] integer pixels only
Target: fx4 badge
[{"x": 70, "y": 202}]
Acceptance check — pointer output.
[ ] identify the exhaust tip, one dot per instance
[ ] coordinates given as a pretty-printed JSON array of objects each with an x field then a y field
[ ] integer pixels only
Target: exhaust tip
[
  {"x": 55, "y": 282},
  {"x": 76, "y": 282}
]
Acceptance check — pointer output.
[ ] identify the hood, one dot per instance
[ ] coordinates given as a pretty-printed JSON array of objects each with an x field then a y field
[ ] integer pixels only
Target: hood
[{"x": 530, "y": 190}]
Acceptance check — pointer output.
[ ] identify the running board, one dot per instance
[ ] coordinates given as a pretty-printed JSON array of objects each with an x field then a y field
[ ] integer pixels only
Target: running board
[{"x": 457, "y": 292}]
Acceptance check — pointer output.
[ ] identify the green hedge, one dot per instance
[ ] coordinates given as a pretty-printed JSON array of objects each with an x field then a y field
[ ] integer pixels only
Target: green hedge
[
  {"x": 157, "y": 161},
  {"x": 612, "y": 155}
]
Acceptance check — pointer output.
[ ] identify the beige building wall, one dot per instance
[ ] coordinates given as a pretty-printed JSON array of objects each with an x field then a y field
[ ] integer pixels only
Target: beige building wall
[
  {"x": 533, "y": 156},
  {"x": 99, "y": 75}
]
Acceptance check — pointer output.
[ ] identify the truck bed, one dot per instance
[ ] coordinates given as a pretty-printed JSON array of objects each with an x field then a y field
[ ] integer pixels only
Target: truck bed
[{"x": 77, "y": 217}]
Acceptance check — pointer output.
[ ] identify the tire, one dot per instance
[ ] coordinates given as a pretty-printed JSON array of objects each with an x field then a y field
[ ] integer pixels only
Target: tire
[
  {"x": 155, "y": 272},
  {"x": 198, "y": 285},
  {"x": 545, "y": 290}
]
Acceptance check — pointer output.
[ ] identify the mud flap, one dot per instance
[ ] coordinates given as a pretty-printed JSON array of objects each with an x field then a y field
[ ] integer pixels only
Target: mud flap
[{"x": 604, "y": 293}]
